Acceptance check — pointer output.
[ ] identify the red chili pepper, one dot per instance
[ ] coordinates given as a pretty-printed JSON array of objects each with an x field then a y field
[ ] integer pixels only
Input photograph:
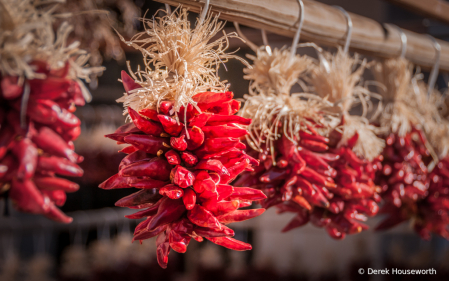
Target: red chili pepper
[
  {"x": 179, "y": 144},
  {"x": 49, "y": 88},
  {"x": 352, "y": 141},
  {"x": 26, "y": 154},
  {"x": 27, "y": 197},
  {"x": 274, "y": 174},
  {"x": 178, "y": 242},
  {"x": 230, "y": 243},
  {"x": 147, "y": 143},
  {"x": 182, "y": 177},
  {"x": 223, "y": 131},
  {"x": 145, "y": 183},
  {"x": 147, "y": 234},
  {"x": 213, "y": 232},
  {"x": 162, "y": 249},
  {"x": 222, "y": 207},
  {"x": 207, "y": 100},
  {"x": 234, "y": 171},
  {"x": 313, "y": 159},
  {"x": 313, "y": 176},
  {"x": 52, "y": 143},
  {"x": 189, "y": 198},
  {"x": 189, "y": 158},
  {"x": 202, "y": 217},
  {"x": 10, "y": 88},
  {"x": 133, "y": 157},
  {"x": 129, "y": 149},
  {"x": 200, "y": 120},
  {"x": 170, "y": 125},
  {"x": 49, "y": 112},
  {"x": 150, "y": 114},
  {"x": 115, "y": 182},
  {"x": 203, "y": 182},
  {"x": 165, "y": 107},
  {"x": 212, "y": 165},
  {"x": 169, "y": 210},
  {"x": 246, "y": 193},
  {"x": 173, "y": 157},
  {"x": 335, "y": 233},
  {"x": 156, "y": 168},
  {"x": 128, "y": 83},
  {"x": 151, "y": 211},
  {"x": 313, "y": 137},
  {"x": 53, "y": 183},
  {"x": 172, "y": 191},
  {"x": 147, "y": 126},
  {"x": 314, "y": 145},
  {"x": 239, "y": 215},
  {"x": 141, "y": 199},
  {"x": 55, "y": 214},
  {"x": 217, "y": 120},
  {"x": 57, "y": 196}
]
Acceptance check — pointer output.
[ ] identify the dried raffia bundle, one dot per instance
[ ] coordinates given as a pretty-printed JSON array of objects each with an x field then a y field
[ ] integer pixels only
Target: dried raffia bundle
[
  {"x": 404, "y": 177},
  {"x": 39, "y": 88},
  {"x": 184, "y": 146},
  {"x": 354, "y": 143},
  {"x": 288, "y": 135},
  {"x": 92, "y": 21},
  {"x": 429, "y": 213}
]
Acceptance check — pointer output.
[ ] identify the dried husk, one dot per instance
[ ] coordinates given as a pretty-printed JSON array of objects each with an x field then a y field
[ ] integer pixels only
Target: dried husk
[
  {"x": 31, "y": 37},
  {"x": 94, "y": 26},
  {"x": 399, "y": 96},
  {"x": 179, "y": 60},
  {"x": 431, "y": 108},
  {"x": 269, "y": 103},
  {"x": 275, "y": 72},
  {"x": 337, "y": 78}
]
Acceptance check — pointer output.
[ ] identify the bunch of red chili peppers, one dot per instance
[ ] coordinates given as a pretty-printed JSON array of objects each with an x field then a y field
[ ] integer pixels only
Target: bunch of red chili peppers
[
  {"x": 183, "y": 168},
  {"x": 36, "y": 134},
  {"x": 409, "y": 190},
  {"x": 328, "y": 186}
]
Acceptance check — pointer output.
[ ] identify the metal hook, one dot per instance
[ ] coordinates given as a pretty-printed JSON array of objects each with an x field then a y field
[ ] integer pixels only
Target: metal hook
[
  {"x": 403, "y": 43},
  {"x": 298, "y": 31},
  {"x": 264, "y": 37},
  {"x": 436, "y": 67},
  {"x": 265, "y": 42},
  {"x": 204, "y": 12},
  {"x": 167, "y": 7},
  {"x": 349, "y": 30},
  {"x": 240, "y": 33}
]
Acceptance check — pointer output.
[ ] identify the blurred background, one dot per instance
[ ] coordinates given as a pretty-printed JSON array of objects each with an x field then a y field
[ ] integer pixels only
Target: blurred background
[{"x": 97, "y": 245}]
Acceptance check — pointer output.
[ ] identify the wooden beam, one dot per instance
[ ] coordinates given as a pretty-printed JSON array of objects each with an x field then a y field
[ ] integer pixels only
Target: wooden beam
[
  {"x": 325, "y": 25},
  {"x": 435, "y": 9}
]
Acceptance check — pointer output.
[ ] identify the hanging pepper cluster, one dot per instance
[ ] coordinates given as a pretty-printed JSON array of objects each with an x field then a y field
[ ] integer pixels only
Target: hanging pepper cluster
[
  {"x": 39, "y": 90},
  {"x": 309, "y": 164},
  {"x": 404, "y": 177},
  {"x": 184, "y": 147}
]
